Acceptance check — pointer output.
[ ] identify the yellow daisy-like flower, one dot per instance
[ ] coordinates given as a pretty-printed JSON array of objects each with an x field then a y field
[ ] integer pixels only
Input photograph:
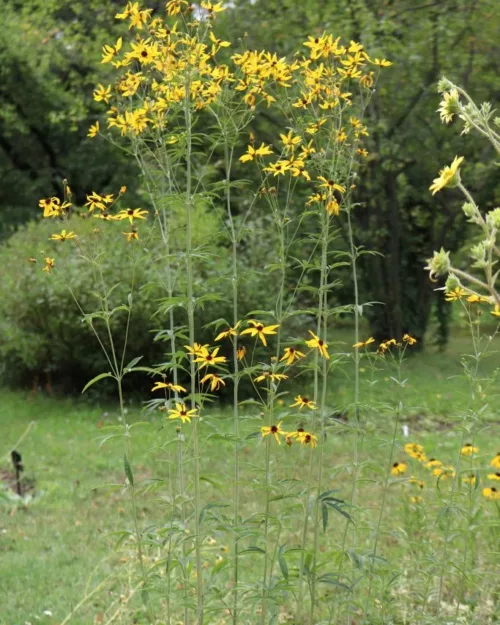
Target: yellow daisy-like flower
[
  {"x": 93, "y": 130},
  {"x": 309, "y": 439},
  {"x": 274, "y": 430},
  {"x": 448, "y": 177},
  {"x": 131, "y": 214},
  {"x": 382, "y": 62},
  {"x": 496, "y": 312},
  {"x": 132, "y": 235},
  {"x": 274, "y": 377},
  {"x": 260, "y": 330},
  {"x": 364, "y": 343},
  {"x": 207, "y": 359},
  {"x": 177, "y": 388},
  {"x": 196, "y": 350},
  {"x": 279, "y": 168},
  {"x": 494, "y": 476},
  {"x": 109, "y": 52},
  {"x": 398, "y": 468},
  {"x": 409, "y": 339},
  {"x": 432, "y": 463},
  {"x": 478, "y": 299},
  {"x": 469, "y": 479},
  {"x": 302, "y": 402},
  {"x": 64, "y": 236},
  {"x": 333, "y": 207},
  {"x": 331, "y": 185},
  {"x": 215, "y": 381},
  {"x": 95, "y": 200},
  {"x": 491, "y": 493},
  {"x": 445, "y": 472},
  {"x": 102, "y": 94},
  {"x": 416, "y": 482},
  {"x": 240, "y": 353},
  {"x": 495, "y": 462},
  {"x": 456, "y": 294},
  {"x": 49, "y": 264},
  {"x": 291, "y": 354},
  {"x": 319, "y": 344},
  {"x": 229, "y": 332},
  {"x": 252, "y": 152},
  {"x": 414, "y": 450},
  {"x": 181, "y": 412},
  {"x": 469, "y": 449},
  {"x": 290, "y": 141}
]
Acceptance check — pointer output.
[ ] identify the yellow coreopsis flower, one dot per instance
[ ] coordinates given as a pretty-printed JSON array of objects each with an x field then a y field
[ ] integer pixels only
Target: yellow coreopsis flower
[
  {"x": 205, "y": 359},
  {"x": 260, "y": 330},
  {"x": 109, "y": 52},
  {"x": 274, "y": 377},
  {"x": 331, "y": 185},
  {"x": 456, "y": 294},
  {"x": 229, "y": 332},
  {"x": 212, "y": 8},
  {"x": 64, "y": 236},
  {"x": 274, "y": 430},
  {"x": 469, "y": 449},
  {"x": 131, "y": 214},
  {"x": 319, "y": 344},
  {"x": 177, "y": 388},
  {"x": 432, "y": 463},
  {"x": 196, "y": 350},
  {"x": 290, "y": 141},
  {"x": 291, "y": 354},
  {"x": 309, "y": 439},
  {"x": 444, "y": 472},
  {"x": 449, "y": 176},
  {"x": 132, "y": 235},
  {"x": 49, "y": 264},
  {"x": 399, "y": 468},
  {"x": 495, "y": 462},
  {"x": 252, "y": 153},
  {"x": 93, "y": 130},
  {"x": 494, "y": 476},
  {"x": 364, "y": 343},
  {"x": 102, "y": 94},
  {"x": 302, "y": 402},
  {"x": 478, "y": 299},
  {"x": 414, "y": 450},
  {"x": 215, "y": 381},
  {"x": 52, "y": 206},
  {"x": 181, "y": 412},
  {"x": 409, "y": 339},
  {"x": 279, "y": 168},
  {"x": 94, "y": 200},
  {"x": 491, "y": 493},
  {"x": 469, "y": 479},
  {"x": 496, "y": 312},
  {"x": 382, "y": 63}
]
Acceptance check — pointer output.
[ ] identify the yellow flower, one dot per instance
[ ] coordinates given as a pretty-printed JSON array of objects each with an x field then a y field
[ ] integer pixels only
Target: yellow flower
[
  {"x": 205, "y": 358},
  {"x": 279, "y": 168},
  {"x": 131, "y": 214},
  {"x": 491, "y": 493},
  {"x": 260, "y": 330},
  {"x": 416, "y": 482},
  {"x": 228, "y": 332},
  {"x": 94, "y": 200},
  {"x": 49, "y": 264},
  {"x": 409, "y": 339},
  {"x": 181, "y": 412},
  {"x": 290, "y": 141},
  {"x": 240, "y": 354},
  {"x": 217, "y": 44},
  {"x": 303, "y": 401},
  {"x": 102, "y": 94},
  {"x": 93, "y": 130},
  {"x": 109, "y": 52},
  {"x": 456, "y": 294},
  {"x": 448, "y": 177},
  {"x": 132, "y": 235},
  {"x": 275, "y": 377},
  {"x": 52, "y": 206},
  {"x": 416, "y": 499},
  {"x": 174, "y": 7},
  {"x": 196, "y": 350},
  {"x": 445, "y": 472},
  {"x": 309, "y": 439},
  {"x": 496, "y": 312},
  {"x": 177, "y": 388},
  {"x": 365, "y": 343},
  {"x": 449, "y": 107},
  {"x": 144, "y": 52},
  {"x": 494, "y": 476},
  {"x": 414, "y": 449},
  {"x": 275, "y": 430},
  {"x": 212, "y": 8},
  {"x": 215, "y": 381},
  {"x": 252, "y": 153},
  {"x": 478, "y": 299},
  {"x": 291, "y": 354},
  {"x": 332, "y": 207},
  {"x": 468, "y": 449},
  {"x": 319, "y": 344},
  {"x": 495, "y": 462},
  {"x": 330, "y": 185},
  {"x": 433, "y": 463},
  {"x": 398, "y": 468},
  {"x": 63, "y": 236},
  {"x": 382, "y": 63},
  {"x": 469, "y": 479}
]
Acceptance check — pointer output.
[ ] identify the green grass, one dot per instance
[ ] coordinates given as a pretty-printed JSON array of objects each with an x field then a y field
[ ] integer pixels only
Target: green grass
[{"x": 62, "y": 541}]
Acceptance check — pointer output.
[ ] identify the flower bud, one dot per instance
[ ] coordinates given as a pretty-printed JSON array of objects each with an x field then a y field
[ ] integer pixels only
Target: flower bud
[{"x": 439, "y": 264}]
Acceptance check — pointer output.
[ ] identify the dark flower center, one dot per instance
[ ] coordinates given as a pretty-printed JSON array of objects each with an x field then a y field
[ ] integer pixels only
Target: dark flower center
[
  {"x": 144, "y": 53},
  {"x": 305, "y": 400},
  {"x": 300, "y": 429},
  {"x": 208, "y": 358},
  {"x": 130, "y": 211},
  {"x": 274, "y": 429},
  {"x": 493, "y": 489},
  {"x": 307, "y": 438},
  {"x": 183, "y": 413},
  {"x": 396, "y": 464},
  {"x": 260, "y": 327},
  {"x": 320, "y": 343}
]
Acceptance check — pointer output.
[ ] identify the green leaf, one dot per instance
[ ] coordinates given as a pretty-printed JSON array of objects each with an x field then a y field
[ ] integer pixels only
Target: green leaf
[
  {"x": 128, "y": 470},
  {"x": 282, "y": 561},
  {"x": 132, "y": 364},
  {"x": 101, "y": 376}
]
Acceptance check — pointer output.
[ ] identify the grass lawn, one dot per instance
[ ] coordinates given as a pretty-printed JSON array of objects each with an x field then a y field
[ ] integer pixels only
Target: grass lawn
[{"x": 60, "y": 545}]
